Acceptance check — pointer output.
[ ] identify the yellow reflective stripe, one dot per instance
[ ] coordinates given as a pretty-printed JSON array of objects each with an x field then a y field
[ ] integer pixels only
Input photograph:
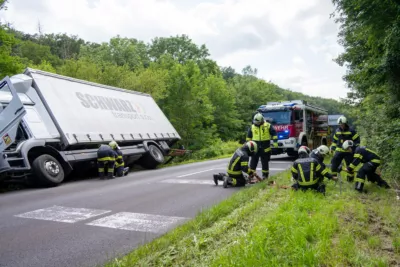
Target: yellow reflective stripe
[
  {"x": 318, "y": 167},
  {"x": 251, "y": 170},
  {"x": 101, "y": 169},
  {"x": 275, "y": 137},
  {"x": 358, "y": 156},
  {"x": 119, "y": 157},
  {"x": 371, "y": 151},
  {"x": 234, "y": 163},
  {"x": 344, "y": 133},
  {"x": 243, "y": 163},
  {"x": 248, "y": 139},
  {"x": 265, "y": 171},
  {"x": 335, "y": 137},
  {"x": 359, "y": 180},
  {"x": 110, "y": 169},
  {"x": 294, "y": 170},
  {"x": 234, "y": 172},
  {"x": 353, "y": 166},
  {"x": 324, "y": 172},
  {"x": 267, "y": 149},
  {"x": 376, "y": 161},
  {"x": 234, "y": 181},
  {"x": 301, "y": 173},
  {"x": 355, "y": 136},
  {"x": 105, "y": 159},
  {"x": 303, "y": 182},
  {"x": 334, "y": 173},
  {"x": 312, "y": 172},
  {"x": 119, "y": 164}
]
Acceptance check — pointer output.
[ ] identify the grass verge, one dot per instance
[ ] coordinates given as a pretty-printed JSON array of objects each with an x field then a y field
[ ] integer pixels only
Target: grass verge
[{"x": 268, "y": 226}]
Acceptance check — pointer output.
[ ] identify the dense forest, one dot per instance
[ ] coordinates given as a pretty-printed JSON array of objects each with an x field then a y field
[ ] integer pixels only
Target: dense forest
[
  {"x": 370, "y": 34},
  {"x": 207, "y": 103}
]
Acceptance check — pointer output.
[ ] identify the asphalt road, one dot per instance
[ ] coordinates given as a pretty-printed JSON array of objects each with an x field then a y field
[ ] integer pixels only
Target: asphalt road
[{"x": 88, "y": 222}]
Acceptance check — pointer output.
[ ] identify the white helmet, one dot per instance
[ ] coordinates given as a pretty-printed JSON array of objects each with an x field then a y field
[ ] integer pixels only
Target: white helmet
[
  {"x": 347, "y": 144},
  {"x": 304, "y": 149},
  {"x": 342, "y": 119},
  {"x": 258, "y": 119},
  {"x": 113, "y": 145},
  {"x": 252, "y": 146},
  {"x": 323, "y": 150}
]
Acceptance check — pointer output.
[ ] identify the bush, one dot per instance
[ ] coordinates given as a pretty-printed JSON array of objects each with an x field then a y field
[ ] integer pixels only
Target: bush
[{"x": 218, "y": 148}]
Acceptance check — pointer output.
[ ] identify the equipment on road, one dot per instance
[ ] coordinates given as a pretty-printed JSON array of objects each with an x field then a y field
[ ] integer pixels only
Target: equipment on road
[{"x": 53, "y": 124}]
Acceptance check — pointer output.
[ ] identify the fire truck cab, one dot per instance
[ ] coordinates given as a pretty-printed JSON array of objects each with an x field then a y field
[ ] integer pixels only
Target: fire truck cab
[{"x": 297, "y": 123}]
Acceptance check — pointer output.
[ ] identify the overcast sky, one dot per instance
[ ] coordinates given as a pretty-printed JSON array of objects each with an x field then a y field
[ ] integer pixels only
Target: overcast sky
[{"x": 290, "y": 42}]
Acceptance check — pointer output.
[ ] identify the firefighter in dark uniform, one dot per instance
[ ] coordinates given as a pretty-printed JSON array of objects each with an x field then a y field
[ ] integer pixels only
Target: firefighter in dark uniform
[
  {"x": 237, "y": 166},
  {"x": 120, "y": 168},
  {"x": 304, "y": 152},
  {"x": 371, "y": 161},
  {"x": 106, "y": 157},
  {"x": 342, "y": 134},
  {"x": 262, "y": 133},
  {"x": 309, "y": 173}
]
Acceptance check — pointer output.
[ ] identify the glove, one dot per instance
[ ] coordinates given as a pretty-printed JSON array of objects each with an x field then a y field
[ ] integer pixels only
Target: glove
[{"x": 275, "y": 145}]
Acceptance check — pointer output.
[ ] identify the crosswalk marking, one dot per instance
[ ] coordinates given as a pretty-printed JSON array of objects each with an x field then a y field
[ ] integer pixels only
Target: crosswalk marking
[
  {"x": 183, "y": 181},
  {"x": 63, "y": 214},
  {"x": 138, "y": 222}
]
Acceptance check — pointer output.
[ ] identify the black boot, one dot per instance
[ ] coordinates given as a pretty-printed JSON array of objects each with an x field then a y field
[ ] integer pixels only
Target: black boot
[
  {"x": 383, "y": 184},
  {"x": 359, "y": 187}
]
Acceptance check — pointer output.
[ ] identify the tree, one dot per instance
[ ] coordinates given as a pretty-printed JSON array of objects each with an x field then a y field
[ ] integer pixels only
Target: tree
[{"x": 181, "y": 48}]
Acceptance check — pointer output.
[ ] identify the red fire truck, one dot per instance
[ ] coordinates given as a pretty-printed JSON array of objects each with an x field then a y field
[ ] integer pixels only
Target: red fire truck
[{"x": 297, "y": 123}]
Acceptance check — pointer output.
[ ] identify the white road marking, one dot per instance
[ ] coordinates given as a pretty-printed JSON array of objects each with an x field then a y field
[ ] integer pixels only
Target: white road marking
[
  {"x": 194, "y": 173},
  {"x": 63, "y": 214},
  {"x": 182, "y": 181},
  {"x": 138, "y": 222}
]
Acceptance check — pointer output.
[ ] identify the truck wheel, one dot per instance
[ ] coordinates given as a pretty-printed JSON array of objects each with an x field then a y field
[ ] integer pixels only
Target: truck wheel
[
  {"x": 152, "y": 158},
  {"x": 48, "y": 170}
]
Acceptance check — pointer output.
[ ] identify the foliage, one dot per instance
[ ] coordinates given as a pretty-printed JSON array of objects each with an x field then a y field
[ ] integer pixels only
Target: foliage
[
  {"x": 371, "y": 38},
  {"x": 207, "y": 104}
]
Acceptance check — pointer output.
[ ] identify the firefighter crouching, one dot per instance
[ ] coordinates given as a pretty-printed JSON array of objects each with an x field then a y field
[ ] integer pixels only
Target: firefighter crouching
[
  {"x": 303, "y": 152},
  {"x": 371, "y": 161},
  {"x": 106, "y": 157},
  {"x": 342, "y": 134},
  {"x": 120, "y": 168},
  {"x": 237, "y": 166},
  {"x": 262, "y": 133},
  {"x": 309, "y": 173}
]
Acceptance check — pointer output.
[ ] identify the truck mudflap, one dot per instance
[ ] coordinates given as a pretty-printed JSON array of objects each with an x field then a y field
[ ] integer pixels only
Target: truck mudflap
[{"x": 11, "y": 115}]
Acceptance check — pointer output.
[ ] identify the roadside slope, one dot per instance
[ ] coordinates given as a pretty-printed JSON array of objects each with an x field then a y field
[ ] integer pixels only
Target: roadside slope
[{"x": 266, "y": 225}]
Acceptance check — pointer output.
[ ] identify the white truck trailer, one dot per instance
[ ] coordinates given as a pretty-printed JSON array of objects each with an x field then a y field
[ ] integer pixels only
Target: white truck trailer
[{"x": 51, "y": 125}]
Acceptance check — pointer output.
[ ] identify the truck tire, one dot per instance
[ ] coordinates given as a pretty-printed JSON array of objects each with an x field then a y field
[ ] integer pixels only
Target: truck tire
[
  {"x": 48, "y": 170},
  {"x": 152, "y": 158}
]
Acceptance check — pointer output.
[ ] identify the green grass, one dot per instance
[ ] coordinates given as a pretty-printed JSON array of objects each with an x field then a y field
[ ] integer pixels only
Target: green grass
[{"x": 266, "y": 225}]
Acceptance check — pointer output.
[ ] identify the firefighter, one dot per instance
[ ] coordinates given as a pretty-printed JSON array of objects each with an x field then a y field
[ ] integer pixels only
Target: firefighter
[
  {"x": 106, "y": 158},
  {"x": 262, "y": 133},
  {"x": 343, "y": 133},
  {"x": 237, "y": 166},
  {"x": 371, "y": 161},
  {"x": 120, "y": 168},
  {"x": 309, "y": 173},
  {"x": 304, "y": 152}
]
